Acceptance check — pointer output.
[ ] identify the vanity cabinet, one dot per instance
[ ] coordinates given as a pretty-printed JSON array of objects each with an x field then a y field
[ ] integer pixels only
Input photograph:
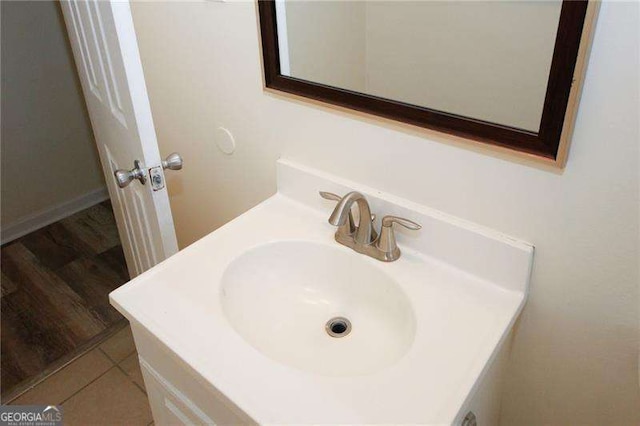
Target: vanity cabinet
[
  {"x": 485, "y": 400},
  {"x": 177, "y": 394}
]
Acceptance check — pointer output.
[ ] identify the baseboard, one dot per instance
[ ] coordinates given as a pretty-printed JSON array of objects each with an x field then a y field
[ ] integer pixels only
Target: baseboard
[{"x": 53, "y": 214}]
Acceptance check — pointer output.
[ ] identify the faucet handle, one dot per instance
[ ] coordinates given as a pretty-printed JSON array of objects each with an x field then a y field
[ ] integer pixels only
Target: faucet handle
[
  {"x": 330, "y": 196},
  {"x": 334, "y": 197},
  {"x": 387, "y": 241},
  {"x": 349, "y": 227},
  {"x": 387, "y": 221}
]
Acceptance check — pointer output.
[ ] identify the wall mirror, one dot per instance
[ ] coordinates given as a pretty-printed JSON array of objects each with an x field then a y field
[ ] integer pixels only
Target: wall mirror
[{"x": 506, "y": 73}]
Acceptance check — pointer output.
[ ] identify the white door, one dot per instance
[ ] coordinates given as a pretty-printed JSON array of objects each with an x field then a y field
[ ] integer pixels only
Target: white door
[{"x": 106, "y": 53}]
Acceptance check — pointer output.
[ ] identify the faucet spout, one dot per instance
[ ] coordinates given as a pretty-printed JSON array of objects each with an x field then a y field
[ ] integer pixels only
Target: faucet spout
[{"x": 341, "y": 212}]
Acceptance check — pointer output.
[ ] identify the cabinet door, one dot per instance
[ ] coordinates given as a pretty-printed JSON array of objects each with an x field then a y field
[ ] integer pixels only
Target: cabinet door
[{"x": 171, "y": 406}]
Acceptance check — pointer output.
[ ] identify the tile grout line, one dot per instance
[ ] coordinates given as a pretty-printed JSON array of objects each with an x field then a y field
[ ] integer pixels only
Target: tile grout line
[
  {"x": 113, "y": 365},
  {"x": 131, "y": 379},
  {"x": 107, "y": 355},
  {"x": 117, "y": 364},
  {"x": 85, "y": 386}
]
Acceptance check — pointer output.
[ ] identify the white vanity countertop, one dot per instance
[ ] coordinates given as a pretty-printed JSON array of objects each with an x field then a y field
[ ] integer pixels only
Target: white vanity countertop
[{"x": 461, "y": 316}]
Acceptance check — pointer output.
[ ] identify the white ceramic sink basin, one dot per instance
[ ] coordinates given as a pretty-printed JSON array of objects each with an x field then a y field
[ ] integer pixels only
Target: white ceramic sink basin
[
  {"x": 244, "y": 310},
  {"x": 280, "y": 297}
]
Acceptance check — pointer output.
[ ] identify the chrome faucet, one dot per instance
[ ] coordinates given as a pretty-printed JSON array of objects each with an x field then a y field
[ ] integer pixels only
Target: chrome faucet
[{"x": 363, "y": 238}]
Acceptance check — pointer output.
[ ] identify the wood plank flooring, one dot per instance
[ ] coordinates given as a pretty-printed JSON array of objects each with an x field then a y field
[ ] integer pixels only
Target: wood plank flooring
[{"x": 55, "y": 285}]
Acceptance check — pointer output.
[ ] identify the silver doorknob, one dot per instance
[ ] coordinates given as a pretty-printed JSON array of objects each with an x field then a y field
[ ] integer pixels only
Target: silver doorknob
[
  {"x": 172, "y": 162},
  {"x": 124, "y": 177}
]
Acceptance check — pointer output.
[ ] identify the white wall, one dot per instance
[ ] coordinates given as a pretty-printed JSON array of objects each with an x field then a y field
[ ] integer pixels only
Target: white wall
[
  {"x": 574, "y": 359},
  {"x": 49, "y": 156},
  {"x": 327, "y": 42}
]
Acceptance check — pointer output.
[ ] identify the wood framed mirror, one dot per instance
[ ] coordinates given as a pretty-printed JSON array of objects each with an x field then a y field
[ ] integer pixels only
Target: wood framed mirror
[{"x": 505, "y": 73}]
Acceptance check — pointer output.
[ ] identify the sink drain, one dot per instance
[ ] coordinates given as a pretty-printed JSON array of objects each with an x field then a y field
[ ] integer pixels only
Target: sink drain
[{"x": 338, "y": 327}]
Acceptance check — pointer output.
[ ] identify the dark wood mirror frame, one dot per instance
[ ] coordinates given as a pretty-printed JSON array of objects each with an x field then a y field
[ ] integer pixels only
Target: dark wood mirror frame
[{"x": 550, "y": 144}]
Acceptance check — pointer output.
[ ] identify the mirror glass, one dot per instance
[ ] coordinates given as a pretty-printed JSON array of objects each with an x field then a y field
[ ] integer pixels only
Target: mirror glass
[{"x": 485, "y": 60}]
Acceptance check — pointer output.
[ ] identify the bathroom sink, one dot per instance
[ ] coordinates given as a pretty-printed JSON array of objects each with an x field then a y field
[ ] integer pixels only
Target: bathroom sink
[
  {"x": 270, "y": 314},
  {"x": 317, "y": 307}
]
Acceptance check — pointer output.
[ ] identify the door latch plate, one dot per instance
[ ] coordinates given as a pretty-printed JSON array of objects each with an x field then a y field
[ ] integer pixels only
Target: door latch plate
[{"x": 157, "y": 178}]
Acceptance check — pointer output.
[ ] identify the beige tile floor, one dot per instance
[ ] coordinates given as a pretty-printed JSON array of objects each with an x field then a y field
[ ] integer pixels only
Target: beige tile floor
[{"x": 102, "y": 387}]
